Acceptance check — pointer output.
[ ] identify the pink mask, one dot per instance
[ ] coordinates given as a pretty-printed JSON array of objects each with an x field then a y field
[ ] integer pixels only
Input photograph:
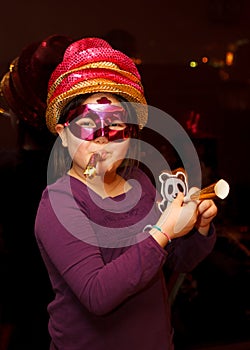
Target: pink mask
[{"x": 93, "y": 120}]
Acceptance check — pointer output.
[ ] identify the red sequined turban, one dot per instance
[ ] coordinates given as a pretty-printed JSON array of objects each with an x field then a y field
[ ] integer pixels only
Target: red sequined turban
[{"x": 91, "y": 65}]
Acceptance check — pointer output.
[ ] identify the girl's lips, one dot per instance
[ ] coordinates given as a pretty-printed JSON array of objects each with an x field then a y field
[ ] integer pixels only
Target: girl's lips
[{"x": 103, "y": 155}]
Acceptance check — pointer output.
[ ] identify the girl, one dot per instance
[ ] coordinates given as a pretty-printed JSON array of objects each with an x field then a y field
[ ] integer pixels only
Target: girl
[{"x": 101, "y": 235}]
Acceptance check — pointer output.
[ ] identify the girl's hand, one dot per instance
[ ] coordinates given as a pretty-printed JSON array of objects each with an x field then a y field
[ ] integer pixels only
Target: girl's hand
[
  {"x": 177, "y": 220},
  {"x": 207, "y": 210}
]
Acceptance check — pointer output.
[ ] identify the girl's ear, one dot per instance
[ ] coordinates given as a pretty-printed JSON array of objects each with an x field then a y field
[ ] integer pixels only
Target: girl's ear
[{"x": 61, "y": 132}]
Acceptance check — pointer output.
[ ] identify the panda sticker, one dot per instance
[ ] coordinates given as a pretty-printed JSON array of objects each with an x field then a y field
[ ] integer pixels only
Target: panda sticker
[{"x": 171, "y": 184}]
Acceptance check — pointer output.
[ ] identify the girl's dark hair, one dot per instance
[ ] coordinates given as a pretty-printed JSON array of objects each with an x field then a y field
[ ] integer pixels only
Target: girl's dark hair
[{"x": 61, "y": 158}]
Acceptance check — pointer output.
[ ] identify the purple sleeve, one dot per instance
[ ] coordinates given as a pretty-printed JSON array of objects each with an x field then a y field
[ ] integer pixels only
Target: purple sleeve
[
  {"x": 187, "y": 252},
  {"x": 100, "y": 287}
]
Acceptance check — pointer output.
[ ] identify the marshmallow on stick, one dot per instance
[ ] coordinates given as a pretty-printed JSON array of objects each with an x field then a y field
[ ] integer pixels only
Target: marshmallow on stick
[{"x": 219, "y": 189}]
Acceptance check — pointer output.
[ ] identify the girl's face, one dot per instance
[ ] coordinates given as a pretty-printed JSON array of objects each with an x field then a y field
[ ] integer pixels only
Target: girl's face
[{"x": 98, "y": 127}]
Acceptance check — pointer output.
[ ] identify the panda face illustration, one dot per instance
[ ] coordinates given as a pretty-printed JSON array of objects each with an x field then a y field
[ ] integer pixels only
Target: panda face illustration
[{"x": 171, "y": 185}]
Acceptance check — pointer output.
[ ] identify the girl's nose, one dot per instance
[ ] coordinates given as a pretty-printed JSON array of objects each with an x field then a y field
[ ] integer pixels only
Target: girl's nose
[{"x": 101, "y": 139}]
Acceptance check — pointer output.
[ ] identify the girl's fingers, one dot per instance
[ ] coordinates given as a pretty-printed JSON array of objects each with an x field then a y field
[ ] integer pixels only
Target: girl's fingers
[{"x": 178, "y": 201}]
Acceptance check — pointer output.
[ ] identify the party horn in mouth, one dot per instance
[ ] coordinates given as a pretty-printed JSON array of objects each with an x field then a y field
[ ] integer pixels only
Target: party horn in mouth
[
  {"x": 219, "y": 189},
  {"x": 90, "y": 170}
]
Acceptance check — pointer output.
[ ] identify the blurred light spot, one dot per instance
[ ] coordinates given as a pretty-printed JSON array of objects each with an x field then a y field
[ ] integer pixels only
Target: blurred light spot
[
  {"x": 204, "y": 59},
  {"x": 137, "y": 60},
  {"x": 224, "y": 75},
  {"x": 229, "y": 58},
  {"x": 193, "y": 64}
]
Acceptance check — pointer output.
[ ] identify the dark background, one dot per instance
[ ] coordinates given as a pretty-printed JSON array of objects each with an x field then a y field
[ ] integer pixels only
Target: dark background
[{"x": 164, "y": 36}]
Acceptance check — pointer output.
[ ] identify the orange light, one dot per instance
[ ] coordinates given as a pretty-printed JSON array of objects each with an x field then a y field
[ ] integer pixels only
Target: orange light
[
  {"x": 204, "y": 59},
  {"x": 229, "y": 58},
  {"x": 136, "y": 60}
]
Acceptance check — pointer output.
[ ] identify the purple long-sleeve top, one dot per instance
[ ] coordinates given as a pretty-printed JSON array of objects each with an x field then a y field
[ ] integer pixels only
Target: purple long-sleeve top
[{"x": 106, "y": 270}]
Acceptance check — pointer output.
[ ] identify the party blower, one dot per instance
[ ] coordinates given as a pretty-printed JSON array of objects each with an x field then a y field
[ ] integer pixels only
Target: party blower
[
  {"x": 219, "y": 189},
  {"x": 90, "y": 170}
]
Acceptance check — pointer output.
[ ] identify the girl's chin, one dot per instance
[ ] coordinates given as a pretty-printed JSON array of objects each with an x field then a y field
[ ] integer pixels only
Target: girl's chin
[{"x": 106, "y": 169}]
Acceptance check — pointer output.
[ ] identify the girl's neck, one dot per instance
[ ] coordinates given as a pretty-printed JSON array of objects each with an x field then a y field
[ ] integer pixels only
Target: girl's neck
[{"x": 110, "y": 185}]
